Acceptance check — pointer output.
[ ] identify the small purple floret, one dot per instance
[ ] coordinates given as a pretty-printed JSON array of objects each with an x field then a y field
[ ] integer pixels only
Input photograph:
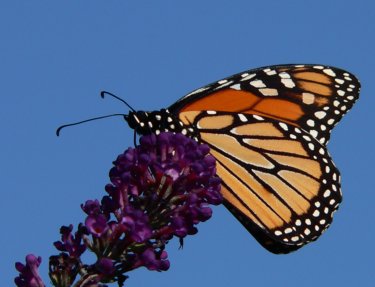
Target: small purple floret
[
  {"x": 91, "y": 207},
  {"x": 136, "y": 224},
  {"x": 29, "y": 274},
  {"x": 96, "y": 224},
  {"x": 154, "y": 260},
  {"x": 72, "y": 244}
]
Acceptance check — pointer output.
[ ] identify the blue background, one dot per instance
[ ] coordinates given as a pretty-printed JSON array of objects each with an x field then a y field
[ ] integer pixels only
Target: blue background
[{"x": 55, "y": 58}]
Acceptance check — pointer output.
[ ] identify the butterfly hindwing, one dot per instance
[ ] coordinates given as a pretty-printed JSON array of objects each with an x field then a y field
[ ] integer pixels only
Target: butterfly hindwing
[
  {"x": 278, "y": 180},
  {"x": 312, "y": 97}
]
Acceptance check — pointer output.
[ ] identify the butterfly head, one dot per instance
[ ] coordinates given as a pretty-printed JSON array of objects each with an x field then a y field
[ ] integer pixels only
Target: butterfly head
[{"x": 138, "y": 121}]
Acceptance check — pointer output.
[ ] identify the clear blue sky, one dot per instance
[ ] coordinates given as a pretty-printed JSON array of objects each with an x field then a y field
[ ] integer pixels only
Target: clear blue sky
[{"x": 55, "y": 58}]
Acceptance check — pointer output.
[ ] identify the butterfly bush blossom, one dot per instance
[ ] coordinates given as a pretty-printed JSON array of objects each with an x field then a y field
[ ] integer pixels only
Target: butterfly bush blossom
[{"x": 158, "y": 190}]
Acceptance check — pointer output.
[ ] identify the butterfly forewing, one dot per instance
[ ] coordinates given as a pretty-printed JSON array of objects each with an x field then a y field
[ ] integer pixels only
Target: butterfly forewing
[{"x": 312, "y": 97}]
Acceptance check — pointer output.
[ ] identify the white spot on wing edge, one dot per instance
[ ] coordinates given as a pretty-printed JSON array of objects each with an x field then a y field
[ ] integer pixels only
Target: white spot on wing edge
[
  {"x": 314, "y": 133},
  {"x": 283, "y": 126},
  {"x": 284, "y": 75},
  {"x": 270, "y": 72},
  {"x": 247, "y": 76},
  {"x": 288, "y": 230},
  {"x": 311, "y": 146},
  {"x": 341, "y": 93},
  {"x": 236, "y": 87},
  {"x": 259, "y": 118},
  {"x": 339, "y": 81},
  {"x": 295, "y": 238},
  {"x": 320, "y": 114},
  {"x": 268, "y": 92},
  {"x": 327, "y": 193},
  {"x": 226, "y": 83},
  {"x": 242, "y": 118},
  {"x": 288, "y": 83},
  {"x": 329, "y": 72},
  {"x": 196, "y": 92},
  {"x": 318, "y": 67},
  {"x": 257, "y": 84},
  {"x": 211, "y": 112},
  {"x": 310, "y": 122},
  {"x": 222, "y": 81}
]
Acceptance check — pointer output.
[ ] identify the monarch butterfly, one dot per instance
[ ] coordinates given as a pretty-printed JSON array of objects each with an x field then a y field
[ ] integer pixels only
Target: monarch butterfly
[{"x": 268, "y": 129}]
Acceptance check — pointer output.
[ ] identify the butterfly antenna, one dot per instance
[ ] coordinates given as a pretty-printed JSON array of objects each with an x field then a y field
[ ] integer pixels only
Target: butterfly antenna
[
  {"x": 88, "y": 120},
  {"x": 103, "y": 93}
]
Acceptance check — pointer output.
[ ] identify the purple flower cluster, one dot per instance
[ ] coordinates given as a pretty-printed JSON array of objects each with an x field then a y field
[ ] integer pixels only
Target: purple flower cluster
[
  {"x": 171, "y": 179},
  {"x": 160, "y": 189}
]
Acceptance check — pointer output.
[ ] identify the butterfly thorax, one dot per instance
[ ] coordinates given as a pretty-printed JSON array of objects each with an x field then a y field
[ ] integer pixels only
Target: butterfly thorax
[{"x": 157, "y": 122}]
